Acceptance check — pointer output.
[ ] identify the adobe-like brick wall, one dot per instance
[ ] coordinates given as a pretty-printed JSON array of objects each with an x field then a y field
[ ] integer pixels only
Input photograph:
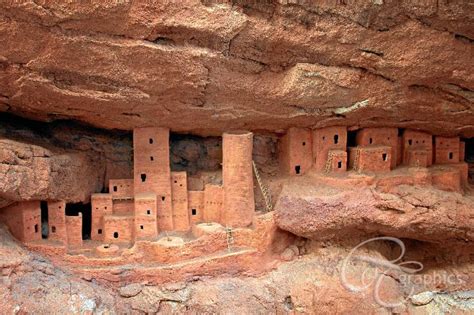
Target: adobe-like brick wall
[
  {"x": 152, "y": 170},
  {"x": 195, "y": 206},
  {"x": 11, "y": 216},
  {"x": 74, "y": 230},
  {"x": 213, "y": 203},
  {"x": 23, "y": 227},
  {"x": 146, "y": 226},
  {"x": 295, "y": 152},
  {"x": 325, "y": 139},
  {"x": 380, "y": 137},
  {"x": 179, "y": 189},
  {"x": 446, "y": 150},
  {"x": 31, "y": 211},
  {"x": 119, "y": 228},
  {"x": 449, "y": 180},
  {"x": 462, "y": 151},
  {"x": 101, "y": 205},
  {"x": 122, "y": 206},
  {"x": 237, "y": 176},
  {"x": 417, "y": 157},
  {"x": 57, "y": 221},
  {"x": 371, "y": 158},
  {"x": 121, "y": 187},
  {"x": 338, "y": 162},
  {"x": 416, "y": 141}
]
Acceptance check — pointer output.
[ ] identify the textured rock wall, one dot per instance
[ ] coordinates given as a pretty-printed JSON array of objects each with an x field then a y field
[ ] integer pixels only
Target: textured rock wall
[
  {"x": 421, "y": 213},
  {"x": 58, "y": 161},
  {"x": 210, "y": 66},
  {"x": 308, "y": 285}
]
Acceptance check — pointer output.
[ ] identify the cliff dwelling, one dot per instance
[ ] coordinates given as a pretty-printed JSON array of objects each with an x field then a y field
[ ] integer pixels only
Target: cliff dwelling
[{"x": 236, "y": 157}]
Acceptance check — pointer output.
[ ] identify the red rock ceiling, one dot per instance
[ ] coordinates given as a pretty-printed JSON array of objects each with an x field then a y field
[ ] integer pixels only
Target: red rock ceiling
[{"x": 206, "y": 67}]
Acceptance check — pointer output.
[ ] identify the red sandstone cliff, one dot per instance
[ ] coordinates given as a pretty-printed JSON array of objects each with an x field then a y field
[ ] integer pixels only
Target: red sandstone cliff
[
  {"x": 89, "y": 74},
  {"x": 207, "y": 66}
]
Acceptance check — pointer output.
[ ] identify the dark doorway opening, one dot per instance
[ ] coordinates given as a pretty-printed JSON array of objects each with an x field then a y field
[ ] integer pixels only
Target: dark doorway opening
[
  {"x": 351, "y": 138},
  {"x": 469, "y": 154},
  {"x": 44, "y": 220},
  {"x": 73, "y": 209},
  {"x": 469, "y": 157}
]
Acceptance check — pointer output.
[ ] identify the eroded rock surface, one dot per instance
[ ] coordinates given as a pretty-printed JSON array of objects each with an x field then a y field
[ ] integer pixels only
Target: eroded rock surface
[
  {"x": 29, "y": 283},
  {"x": 58, "y": 161},
  {"x": 309, "y": 285},
  {"x": 421, "y": 213},
  {"x": 207, "y": 66},
  {"x": 31, "y": 172}
]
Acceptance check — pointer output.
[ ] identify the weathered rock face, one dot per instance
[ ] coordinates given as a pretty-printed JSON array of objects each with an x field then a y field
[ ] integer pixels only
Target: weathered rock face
[
  {"x": 207, "y": 67},
  {"x": 32, "y": 172},
  {"x": 58, "y": 162},
  {"x": 308, "y": 285},
  {"x": 419, "y": 213},
  {"x": 30, "y": 283}
]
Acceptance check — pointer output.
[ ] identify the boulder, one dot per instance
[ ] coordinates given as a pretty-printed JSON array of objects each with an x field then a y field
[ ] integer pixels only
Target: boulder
[{"x": 421, "y": 213}]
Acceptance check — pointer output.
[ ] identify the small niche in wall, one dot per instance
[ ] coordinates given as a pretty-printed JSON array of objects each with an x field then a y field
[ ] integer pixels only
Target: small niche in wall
[
  {"x": 384, "y": 156},
  {"x": 148, "y": 212},
  {"x": 143, "y": 177},
  {"x": 451, "y": 155},
  {"x": 336, "y": 139},
  {"x": 339, "y": 164},
  {"x": 150, "y": 141},
  {"x": 53, "y": 229},
  {"x": 141, "y": 227},
  {"x": 116, "y": 235},
  {"x": 193, "y": 211}
]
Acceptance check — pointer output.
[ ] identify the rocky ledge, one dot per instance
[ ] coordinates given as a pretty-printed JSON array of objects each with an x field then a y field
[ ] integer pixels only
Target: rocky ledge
[{"x": 416, "y": 212}]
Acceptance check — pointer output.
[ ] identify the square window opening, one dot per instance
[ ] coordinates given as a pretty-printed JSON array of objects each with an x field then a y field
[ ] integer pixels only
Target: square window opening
[{"x": 297, "y": 169}]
